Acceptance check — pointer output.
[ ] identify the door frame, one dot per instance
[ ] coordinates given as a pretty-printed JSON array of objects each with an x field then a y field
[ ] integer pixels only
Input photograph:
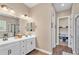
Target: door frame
[
  {"x": 68, "y": 30},
  {"x": 53, "y": 29},
  {"x": 74, "y": 28}
]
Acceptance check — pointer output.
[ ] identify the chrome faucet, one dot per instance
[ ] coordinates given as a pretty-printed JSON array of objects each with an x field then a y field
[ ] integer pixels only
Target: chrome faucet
[{"x": 5, "y": 37}]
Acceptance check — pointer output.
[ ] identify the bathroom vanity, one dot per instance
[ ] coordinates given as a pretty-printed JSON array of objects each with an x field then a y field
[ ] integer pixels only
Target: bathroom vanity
[{"x": 15, "y": 46}]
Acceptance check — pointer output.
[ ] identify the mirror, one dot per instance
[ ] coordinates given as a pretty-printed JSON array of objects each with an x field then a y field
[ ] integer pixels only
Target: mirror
[
  {"x": 2, "y": 25},
  {"x": 31, "y": 26}
]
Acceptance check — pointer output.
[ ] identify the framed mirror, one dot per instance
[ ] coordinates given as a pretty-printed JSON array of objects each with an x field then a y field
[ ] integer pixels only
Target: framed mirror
[{"x": 30, "y": 26}]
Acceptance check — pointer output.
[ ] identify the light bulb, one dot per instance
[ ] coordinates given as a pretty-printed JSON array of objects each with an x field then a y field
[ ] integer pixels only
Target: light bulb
[
  {"x": 12, "y": 11},
  {"x": 22, "y": 16},
  {"x": 5, "y": 8},
  {"x": 27, "y": 17}
]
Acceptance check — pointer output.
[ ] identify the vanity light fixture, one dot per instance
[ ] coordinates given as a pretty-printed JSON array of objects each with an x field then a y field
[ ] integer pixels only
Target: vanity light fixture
[
  {"x": 12, "y": 11},
  {"x": 24, "y": 16},
  {"x": 4, "y": 7},
  {"x": 29, "y": 19}
]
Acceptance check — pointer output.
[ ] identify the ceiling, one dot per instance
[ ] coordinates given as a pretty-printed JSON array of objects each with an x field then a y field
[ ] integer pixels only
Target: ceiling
[
  {"x": 30, "y": 5},
  {"x": 58, "y": 6},
  {"x": 62, "y": 6}
]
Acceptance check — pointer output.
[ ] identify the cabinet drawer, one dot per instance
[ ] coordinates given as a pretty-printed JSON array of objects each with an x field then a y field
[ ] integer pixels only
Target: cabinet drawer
[
  {"x": 4, "y": 50},
  {"x": 14, "y": 44},
  {"x": 23, "y": 51},
  {"x": 23, "y": 43}
]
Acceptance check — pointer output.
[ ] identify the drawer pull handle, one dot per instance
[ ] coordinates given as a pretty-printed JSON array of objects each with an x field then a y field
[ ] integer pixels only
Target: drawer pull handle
[{"x": 9, "y": 51}]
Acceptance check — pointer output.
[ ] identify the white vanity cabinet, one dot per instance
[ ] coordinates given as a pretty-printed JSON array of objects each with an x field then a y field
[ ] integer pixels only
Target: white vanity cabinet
[
  {"x": 14, "y": 48},
  {"x": 3, "y": 50},
  {"x": 18, "y": 47},
  {"x": 30, "y": 44},
  {"x": 27, "y": 45},
  {"x": 10, "y": 49},
  {"x": 23, "y": 47}
]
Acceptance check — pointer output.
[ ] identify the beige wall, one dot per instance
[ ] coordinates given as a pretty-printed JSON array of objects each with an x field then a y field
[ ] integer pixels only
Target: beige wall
[
  {"x": 42, "y": 17},
  {"x": 64, "y": 13},
  {"x": 75, "y": 8}
]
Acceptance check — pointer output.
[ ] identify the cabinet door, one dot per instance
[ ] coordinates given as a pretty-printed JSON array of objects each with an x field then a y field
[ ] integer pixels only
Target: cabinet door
[
  {"x": 3, "y": 50},
  {"x": 29, "y": 45},
  {"x": 14, "y": 48},
  {"x": 33, "y": 43}
]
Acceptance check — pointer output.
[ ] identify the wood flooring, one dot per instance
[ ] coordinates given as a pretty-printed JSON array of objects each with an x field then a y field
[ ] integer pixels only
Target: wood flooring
[
  {"x": 58, "y": 50},
  {"x": 36, "y": 52}
]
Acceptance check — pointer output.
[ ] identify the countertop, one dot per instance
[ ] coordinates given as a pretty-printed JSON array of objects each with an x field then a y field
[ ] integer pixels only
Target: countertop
[{"x": 13, "y": 39}]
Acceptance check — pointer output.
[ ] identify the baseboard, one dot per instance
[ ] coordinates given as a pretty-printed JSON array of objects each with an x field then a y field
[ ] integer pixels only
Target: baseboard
[{"x": 44, "y": 51}]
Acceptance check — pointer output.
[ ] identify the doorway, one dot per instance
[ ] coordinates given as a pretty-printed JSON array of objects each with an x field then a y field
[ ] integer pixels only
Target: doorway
[{"x": 63, "y": 31}]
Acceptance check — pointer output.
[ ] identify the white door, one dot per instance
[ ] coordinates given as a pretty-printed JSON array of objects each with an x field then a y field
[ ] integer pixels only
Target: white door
[{"x": 77, "y": 34}]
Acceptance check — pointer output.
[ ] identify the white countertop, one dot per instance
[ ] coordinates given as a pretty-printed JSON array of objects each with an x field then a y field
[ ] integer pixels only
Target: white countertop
[{"x": 13, "y": 39}]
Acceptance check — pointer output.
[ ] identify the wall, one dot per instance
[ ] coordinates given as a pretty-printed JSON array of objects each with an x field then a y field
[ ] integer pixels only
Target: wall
[
  {"x": 75, "y": 8},
  {"x": 42, "y": 17},
  {"x": 64, "y": 13}
]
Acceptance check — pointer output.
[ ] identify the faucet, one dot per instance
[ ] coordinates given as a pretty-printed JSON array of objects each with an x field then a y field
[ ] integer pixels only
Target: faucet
[{"x": 5, "y": 37}]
